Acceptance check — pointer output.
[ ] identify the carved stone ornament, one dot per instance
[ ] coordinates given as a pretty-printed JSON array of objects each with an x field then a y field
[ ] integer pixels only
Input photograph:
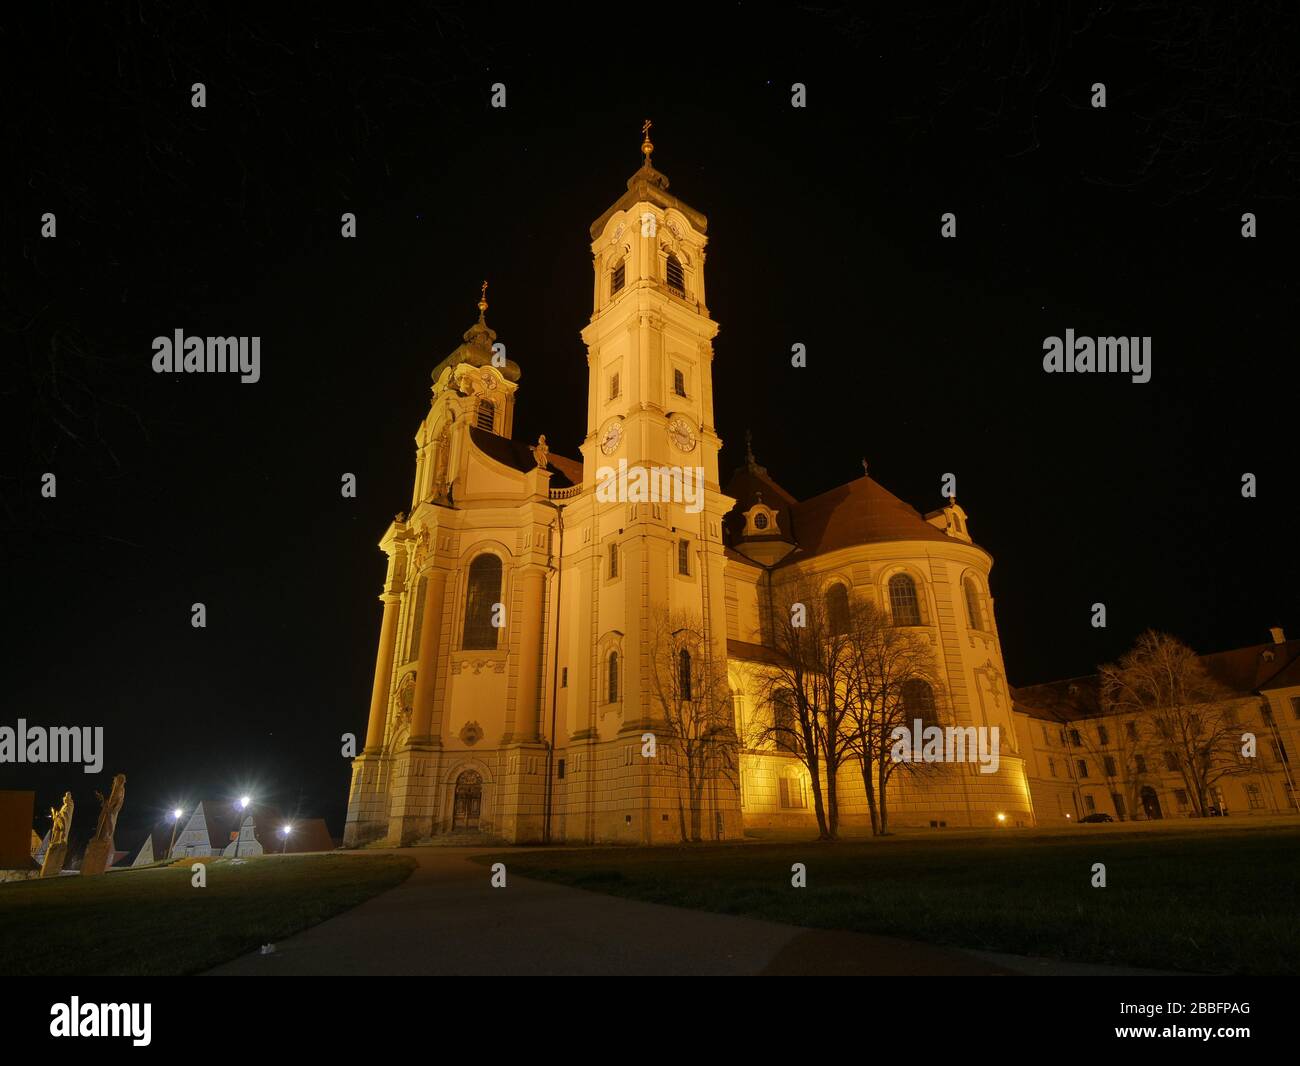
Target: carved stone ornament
[
  {"x": 471, "y": 733},
  {"x": 406, "y": 695}
]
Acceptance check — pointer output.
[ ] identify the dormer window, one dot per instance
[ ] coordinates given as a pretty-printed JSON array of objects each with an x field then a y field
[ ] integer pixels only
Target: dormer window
[
  {"x": 617, "y": 277},
  {"x": 760, "y": 520},
  {"x": 675, "y": 276},
  {"x": 679, "y": 383}
]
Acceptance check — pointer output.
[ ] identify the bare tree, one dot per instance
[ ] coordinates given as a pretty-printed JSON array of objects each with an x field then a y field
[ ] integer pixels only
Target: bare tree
[
  {"x": 1163, "y": 679},
  {"x": 688, "y": 682},
  {"x": 803, "y": 690},
  {"x": 891, "y": 681},
  {"x": 1078, "y": 707}
]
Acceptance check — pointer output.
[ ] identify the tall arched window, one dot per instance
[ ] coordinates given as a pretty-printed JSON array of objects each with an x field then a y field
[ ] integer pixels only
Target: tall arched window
[
  {"x": 783, "y": 722},
  {"x": 675, "y": 275},
  {"x": 684, "y": 673},
  {"x": 613, "y": 559},
  {"x": 486, "y": 416},
  {"x": 612, "y": 671},
  {"x": 837, "y": 608},
  {"x": 903, "y": 604},
  {"x": 417, "y": 623},
  {"x": 617, "y": 277},
  {"x": 918, "y": 700},
  {"x": 973, "y": 615},
  {"x": 480, "y": 603}
]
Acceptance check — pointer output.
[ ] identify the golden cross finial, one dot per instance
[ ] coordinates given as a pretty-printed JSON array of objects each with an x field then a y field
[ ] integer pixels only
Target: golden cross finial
[
  {"x": 646, "y": 146},
  {"x": 482, "y": 300}
]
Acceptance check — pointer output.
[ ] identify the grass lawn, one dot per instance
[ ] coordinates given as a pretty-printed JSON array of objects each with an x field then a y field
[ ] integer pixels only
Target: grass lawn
[
  {"x": 1197, "y": 899},
  {"x": 151, "y": 921}
]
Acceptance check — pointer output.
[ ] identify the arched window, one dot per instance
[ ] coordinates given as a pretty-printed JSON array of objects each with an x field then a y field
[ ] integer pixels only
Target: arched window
[
  {"x": 617, "y": 277},
  {"x": 973, "y": 615},
  {"x": 837, "y": 608},
  {"x": 613, "y": 559},
  {"x": 480, "y": 603},
  {"x": 413, "y": 650},
  {"x": 679, "y": 383},
  {"x": 760, "y": 520},
  {"x": 783, "y": 722},
  {"x": 918, "y": 700},
  {"x": 486, "y": 417},
  {"x": 612, "y": 678},
  {"x": 675, "y": 275},
  {"x": 684, "y": 674},
  {"x": 903, "y": 603}
]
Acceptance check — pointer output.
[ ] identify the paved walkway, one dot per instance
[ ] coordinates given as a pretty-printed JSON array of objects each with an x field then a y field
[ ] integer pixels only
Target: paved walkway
[{"x": 447, "y": 919}]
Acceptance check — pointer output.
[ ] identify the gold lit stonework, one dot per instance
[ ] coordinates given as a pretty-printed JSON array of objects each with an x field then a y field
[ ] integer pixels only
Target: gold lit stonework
[{"x": 554, "y": 694}]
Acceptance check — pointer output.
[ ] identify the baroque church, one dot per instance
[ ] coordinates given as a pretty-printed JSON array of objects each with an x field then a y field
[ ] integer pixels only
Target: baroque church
[{"x": 513, "y": 688}]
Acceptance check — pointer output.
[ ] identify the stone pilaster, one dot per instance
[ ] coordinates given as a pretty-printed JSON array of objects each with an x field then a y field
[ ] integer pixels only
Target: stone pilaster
[{"x": 415, "y": 766}]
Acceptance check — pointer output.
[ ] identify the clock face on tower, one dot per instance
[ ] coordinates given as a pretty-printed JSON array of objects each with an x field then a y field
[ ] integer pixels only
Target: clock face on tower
[
  {"x": 681, "y": 434},
  {"x": 613, "y": 435}
]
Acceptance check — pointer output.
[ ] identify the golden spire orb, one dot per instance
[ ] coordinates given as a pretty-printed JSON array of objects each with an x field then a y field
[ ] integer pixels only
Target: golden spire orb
[
  {"x": 646, "y": 146},
  {"x": 482, "y": 301}
]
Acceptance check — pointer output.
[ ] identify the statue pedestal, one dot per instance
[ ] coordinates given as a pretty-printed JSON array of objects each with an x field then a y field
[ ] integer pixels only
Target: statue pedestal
[
  {"x": 54, "y": 856},
  {"x": 98, "y": 852}
]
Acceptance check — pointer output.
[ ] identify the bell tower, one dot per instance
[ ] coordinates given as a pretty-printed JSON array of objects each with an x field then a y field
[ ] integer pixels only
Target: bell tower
[
  {"x": 650, "y": 338},
  {"x": 646, "y": 532}
]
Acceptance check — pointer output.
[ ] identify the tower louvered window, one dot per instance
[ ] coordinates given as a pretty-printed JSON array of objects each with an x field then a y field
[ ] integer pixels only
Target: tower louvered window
[
  {"x": 617, "y": 277},
  {"x": 676, "y": 276},
  {"x": 486, "y": 416}
]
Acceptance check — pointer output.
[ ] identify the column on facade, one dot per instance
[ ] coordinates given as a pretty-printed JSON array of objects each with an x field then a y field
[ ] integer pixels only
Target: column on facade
[
  {"x": 527, "y": 703},
  {"x": 426, "y": 671},
  {"x": 383, "y": 670}
]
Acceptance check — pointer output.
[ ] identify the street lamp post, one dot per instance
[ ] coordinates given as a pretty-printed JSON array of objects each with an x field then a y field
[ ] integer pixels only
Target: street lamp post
[
  {"x": 176, "y": 820},
  {"x": 244, "y": 801},
  {"x": 284, "y": 832}
]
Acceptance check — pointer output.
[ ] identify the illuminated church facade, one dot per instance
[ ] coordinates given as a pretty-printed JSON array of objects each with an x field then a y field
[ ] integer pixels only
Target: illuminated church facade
[{"x": 514, "y": 687}]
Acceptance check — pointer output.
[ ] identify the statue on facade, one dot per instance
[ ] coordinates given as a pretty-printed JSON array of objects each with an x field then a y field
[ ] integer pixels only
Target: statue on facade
[{"x": 541, "y": 452}]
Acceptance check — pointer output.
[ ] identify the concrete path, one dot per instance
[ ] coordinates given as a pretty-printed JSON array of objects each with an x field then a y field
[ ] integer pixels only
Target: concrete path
[{"x": 447, "y": 919}]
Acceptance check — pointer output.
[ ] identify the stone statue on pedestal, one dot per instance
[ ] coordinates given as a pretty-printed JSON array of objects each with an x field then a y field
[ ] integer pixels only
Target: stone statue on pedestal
[
  {"x": 62, "y": 819},
  {"x": 109, "y": 808},
  {"x": 99, "y": 852},
  {"x": 61, "y": 825}
]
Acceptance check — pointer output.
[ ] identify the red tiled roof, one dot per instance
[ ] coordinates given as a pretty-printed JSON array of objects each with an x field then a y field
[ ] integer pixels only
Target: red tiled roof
[
  {"x": 861, "y": 512},
  {"x": 1242, "y": 671}
]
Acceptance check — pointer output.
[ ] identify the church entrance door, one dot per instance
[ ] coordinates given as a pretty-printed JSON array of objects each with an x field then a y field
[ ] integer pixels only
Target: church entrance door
[
  {"x": 1151, "y": 803},
  {"x": 469, "y": 798}
]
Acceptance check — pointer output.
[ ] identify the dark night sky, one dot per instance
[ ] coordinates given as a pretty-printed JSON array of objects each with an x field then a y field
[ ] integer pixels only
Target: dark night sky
[{"x": 924, "y": 355}]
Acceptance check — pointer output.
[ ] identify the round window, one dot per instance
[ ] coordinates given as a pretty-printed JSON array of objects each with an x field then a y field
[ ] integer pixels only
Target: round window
[{"x": 760, "y": 521}]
